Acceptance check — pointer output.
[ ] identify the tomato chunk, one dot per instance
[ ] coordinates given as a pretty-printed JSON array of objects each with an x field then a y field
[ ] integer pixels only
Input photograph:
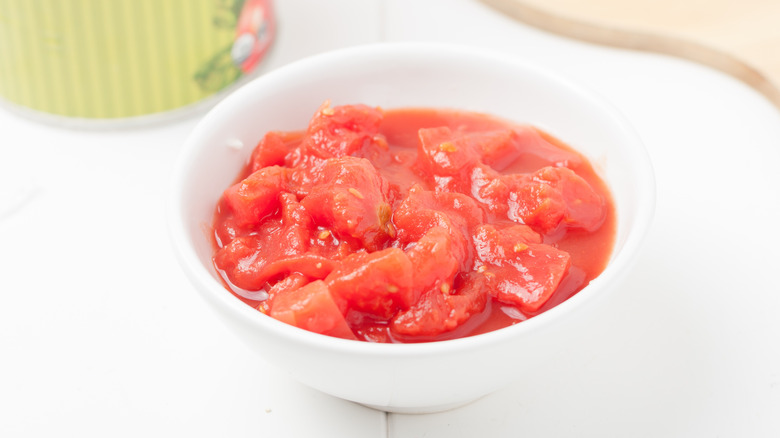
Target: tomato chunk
[
  {"x": 433, "y": 259},
  {"x": 256, "y": 196},
  {"x": 293, "y": 281},
  {"x": 535, "y": 202},
  {"x": 236, "y": 261},
  {"x": 544, "y": 199},
  {"x": 341, "y": 130},
  {"x": 438, "y": 311},
  {"x": 422, "y": 210},
  {"x": 351, "y": 200},
  {"x": 490, "y": 189},
  {"x": 551, "y": 195},
  {"x": 379, "y": 283},
  {"x": 273, "y": 148},
  {"x": 518, "y": 269},
  {"x": 279, "y": 247},
  {"x": 249, "y": 263},
  {"x": 311, "y": 308},
  {"x": 500, "y": 149},
  {"x": 443, "y": 152}
]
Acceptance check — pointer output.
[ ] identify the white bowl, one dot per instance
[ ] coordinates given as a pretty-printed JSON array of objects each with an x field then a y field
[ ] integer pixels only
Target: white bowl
[{"x": 411, "y": 377}]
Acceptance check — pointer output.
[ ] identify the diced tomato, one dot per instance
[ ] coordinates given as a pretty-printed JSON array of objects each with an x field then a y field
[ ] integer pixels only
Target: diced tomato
[
  {"x": 469, "y": 300},
  {"x": 297, "y": 225},
  {"x": 553, "y": 194},
  {"x": 417, "y": 212},
  {"x": 228, "y": 227},
  {"x": 501, "y": 149},
  {"x": 311, "y": 308},
  {"x": 518, "y": 269},
  {"x": 379, "y": 283},
  {"x": 279, "y": 247},
  {"x": 433, "y": 259},
  {"x": 543, "y": 199},
  {"x": 422, "y": 210},
  {"x": 514, "y": 233},
  {"x": 341, "y": 130},
  {"x": 429, "y": 316},
  {"x": 351, "y": 200},
  {"x": 446, "y": 157},
  {"x": 273, "y": 148},
  {"x": 493, "y": 245},
  {"x": 410, "y": 226},
  {"x": 438, "y": 311},
  {"x": 324, "y": 243},
  {"x": 498, "y": 149},
  {"x": 585, "y": 208},
  {"x": 530, "y": 278},
  {"x": 443, "y": 152},
  {"x": 489, "y": 189},
  {"x": 349, "y": 172},
  {"x": 547, "y": 148},
  {"x": 293, "y": 281},
  {"x": 249, "y": 262},
  {"x": 310, "y": 265},
  {"x": 236, "y": 260},
  {"x": 535, "y": 202},
  {"x": 256, "y": 196},
  {"x": 304, "y": 175}
]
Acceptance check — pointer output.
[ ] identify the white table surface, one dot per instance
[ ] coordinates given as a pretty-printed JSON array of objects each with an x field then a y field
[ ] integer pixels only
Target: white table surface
[{"x": 101, "y": 334}]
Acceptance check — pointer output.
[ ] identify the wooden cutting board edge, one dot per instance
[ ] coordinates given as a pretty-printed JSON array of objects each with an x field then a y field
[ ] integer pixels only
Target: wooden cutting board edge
[{"x": 611, "y": 35}]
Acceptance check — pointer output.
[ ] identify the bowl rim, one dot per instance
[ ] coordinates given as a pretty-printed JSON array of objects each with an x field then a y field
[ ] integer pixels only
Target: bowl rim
[{"x": 216, "y": 293}]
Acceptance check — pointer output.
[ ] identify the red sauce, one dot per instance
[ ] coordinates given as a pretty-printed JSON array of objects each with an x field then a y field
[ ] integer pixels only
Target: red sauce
[{"x": 411, "y": 225}]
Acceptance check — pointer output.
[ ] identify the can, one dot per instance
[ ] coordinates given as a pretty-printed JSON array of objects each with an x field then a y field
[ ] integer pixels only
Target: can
[{"x": 98, "y": 61}]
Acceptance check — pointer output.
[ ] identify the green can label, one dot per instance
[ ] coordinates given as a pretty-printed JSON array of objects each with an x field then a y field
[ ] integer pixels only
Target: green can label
[{"x": 110, "y": 59}]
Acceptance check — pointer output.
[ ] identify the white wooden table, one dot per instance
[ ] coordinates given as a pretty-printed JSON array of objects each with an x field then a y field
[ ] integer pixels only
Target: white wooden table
[{"x": 101, "y": 334}]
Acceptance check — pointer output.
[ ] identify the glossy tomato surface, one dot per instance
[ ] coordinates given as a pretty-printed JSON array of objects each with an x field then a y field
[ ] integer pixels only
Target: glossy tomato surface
[{"x": 411, "y": 225}]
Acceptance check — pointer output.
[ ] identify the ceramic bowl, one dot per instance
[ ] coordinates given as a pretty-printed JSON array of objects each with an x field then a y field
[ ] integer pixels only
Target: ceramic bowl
[{"x": 429, "y": 376}]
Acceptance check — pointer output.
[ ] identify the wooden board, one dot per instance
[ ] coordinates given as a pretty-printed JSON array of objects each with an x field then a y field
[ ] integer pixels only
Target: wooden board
[{"x": 739, "y": 37}]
